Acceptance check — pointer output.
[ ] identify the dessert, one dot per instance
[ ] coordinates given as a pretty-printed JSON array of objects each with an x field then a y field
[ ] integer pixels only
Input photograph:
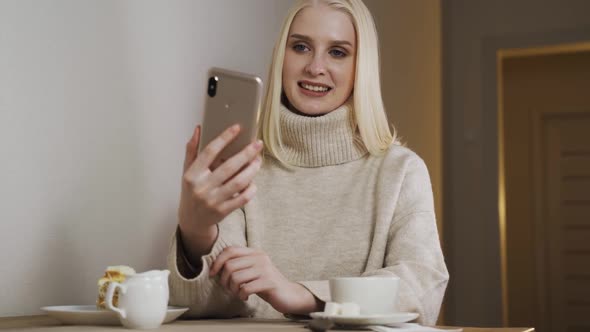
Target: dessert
[
  {"x": 344, "y": 309},
  {"x": 113, "y": 273}
]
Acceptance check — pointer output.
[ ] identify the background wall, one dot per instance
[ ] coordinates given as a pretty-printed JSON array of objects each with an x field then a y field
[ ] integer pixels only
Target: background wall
[
  {"x": 472, "y": 30},
  {"x": 410, "y": 36},
  {"x": 98, "y": 98}
]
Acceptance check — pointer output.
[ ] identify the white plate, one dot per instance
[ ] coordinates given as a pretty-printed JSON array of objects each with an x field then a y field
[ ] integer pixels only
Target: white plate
[
  {"x": 395, "y": 318},
  {"x": 89, "y": 315}
]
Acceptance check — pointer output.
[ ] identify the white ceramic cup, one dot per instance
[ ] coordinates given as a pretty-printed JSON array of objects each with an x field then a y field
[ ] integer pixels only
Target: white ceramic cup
[
  {"x": 374, "y": 295},
  {"x": 143, "y": 299}
]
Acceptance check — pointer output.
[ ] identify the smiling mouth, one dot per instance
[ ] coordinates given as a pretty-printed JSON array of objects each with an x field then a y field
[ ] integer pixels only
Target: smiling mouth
[{"x": 314, "y": 88}]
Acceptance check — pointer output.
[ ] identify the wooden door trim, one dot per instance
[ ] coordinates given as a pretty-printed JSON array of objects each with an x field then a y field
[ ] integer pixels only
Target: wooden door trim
[
  {"x": 564, "y": 48},
  {"x": 538, "y": 118}
]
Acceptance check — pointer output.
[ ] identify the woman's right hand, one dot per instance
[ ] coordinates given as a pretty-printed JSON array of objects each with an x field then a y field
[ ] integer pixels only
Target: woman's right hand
[{"x": 208, "y": 196}]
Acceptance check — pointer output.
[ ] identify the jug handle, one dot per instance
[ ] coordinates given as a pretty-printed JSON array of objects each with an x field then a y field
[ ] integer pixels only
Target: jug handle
[{"x": 109, "y": 298}]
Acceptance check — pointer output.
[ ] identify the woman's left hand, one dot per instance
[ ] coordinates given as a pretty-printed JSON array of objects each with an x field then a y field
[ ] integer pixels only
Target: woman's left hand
[{"x": 247, "y": 271}]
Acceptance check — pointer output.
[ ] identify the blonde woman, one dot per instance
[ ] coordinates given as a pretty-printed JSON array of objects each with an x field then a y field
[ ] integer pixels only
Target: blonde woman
[{"x": 334, "y": 195}]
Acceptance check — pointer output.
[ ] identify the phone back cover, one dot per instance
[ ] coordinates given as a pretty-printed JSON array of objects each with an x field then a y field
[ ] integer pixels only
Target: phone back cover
[{"x": 237, "y": 100}]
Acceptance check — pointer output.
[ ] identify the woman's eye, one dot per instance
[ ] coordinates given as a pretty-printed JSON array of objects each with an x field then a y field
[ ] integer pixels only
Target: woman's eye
[
  {"x": 338, "y": 53},
  {"x": 299, "y": 48}
]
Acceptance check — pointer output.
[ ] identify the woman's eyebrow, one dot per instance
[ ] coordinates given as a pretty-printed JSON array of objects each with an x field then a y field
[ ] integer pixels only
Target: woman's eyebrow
[
  {"x": 309, "y": 40},
  {"x": 302, "y": 37},
  {"x": 342, "y": 42}
]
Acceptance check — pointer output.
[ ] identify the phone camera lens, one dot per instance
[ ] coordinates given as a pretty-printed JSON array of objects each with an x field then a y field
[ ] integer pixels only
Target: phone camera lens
[{"x": 212, "y": 89}]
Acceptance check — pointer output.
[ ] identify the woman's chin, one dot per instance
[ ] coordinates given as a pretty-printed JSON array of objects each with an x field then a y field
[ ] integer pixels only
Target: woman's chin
[{"x": 314, "y": 109}]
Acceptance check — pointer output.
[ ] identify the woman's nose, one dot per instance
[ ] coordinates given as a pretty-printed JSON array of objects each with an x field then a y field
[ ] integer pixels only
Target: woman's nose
[{"x": 316, "y": 66}]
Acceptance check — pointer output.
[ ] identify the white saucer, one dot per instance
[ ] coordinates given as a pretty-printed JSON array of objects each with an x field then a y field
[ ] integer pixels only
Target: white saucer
[
  {"x": 89, "y": 315},
  {"x": 394, "y": 318}
]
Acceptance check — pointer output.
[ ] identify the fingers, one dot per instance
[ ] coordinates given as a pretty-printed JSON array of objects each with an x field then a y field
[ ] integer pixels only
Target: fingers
[
  {"x": 245, "y": 271},
  {"x": 253, "y": 287},
  {"x": 237, "y": 278},
  {"x": 240, "y": 200},
  {"x": 235, "y": 163},
  {"x": 210, "y": 152},
  {"x": 192, "y": 148},
  {"x": 239, "y": 182},
  {"x": 233, "y": 266},
  {"x": 227, "y": 254}
]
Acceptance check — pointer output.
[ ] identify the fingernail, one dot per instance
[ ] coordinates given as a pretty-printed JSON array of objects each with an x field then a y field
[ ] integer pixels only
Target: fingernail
[
  {"x": 258, "y": 144},
  {"x": 235, "y": 128}
]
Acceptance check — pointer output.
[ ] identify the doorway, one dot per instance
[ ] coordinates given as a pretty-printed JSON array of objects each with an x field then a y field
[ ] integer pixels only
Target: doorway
[{"x": 544, "y": 186}]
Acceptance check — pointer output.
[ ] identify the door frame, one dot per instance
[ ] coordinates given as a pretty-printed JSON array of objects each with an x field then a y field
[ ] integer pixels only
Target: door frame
[
  {"x": 495, "y": 50},
  {"x": 540, "y": 118}
]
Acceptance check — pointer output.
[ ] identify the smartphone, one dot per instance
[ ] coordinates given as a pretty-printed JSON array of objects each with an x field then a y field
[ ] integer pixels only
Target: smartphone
[{"x": 232, "y": 98}]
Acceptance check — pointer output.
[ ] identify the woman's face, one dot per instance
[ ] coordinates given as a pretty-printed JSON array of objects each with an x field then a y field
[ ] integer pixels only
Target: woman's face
[{"x": 319, "y": 66}]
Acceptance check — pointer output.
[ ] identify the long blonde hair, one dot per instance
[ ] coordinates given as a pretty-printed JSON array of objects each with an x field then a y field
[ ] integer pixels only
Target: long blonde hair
[{"x": 369, "y": 112}]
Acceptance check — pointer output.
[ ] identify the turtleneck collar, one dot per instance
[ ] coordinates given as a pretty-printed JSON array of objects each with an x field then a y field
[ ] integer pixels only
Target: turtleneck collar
[{"x": 326, "y": 140}]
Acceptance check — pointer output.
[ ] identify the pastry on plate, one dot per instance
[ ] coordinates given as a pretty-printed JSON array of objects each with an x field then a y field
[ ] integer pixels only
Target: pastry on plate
[{"x": 113, "y": 273}]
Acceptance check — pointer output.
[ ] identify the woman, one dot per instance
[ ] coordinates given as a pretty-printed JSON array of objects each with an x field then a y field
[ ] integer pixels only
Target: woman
[{"x": 337, "y": 196}]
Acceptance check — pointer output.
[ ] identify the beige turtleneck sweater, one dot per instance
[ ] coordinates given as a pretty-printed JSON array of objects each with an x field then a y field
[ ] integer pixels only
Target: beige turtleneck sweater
[{"x": 340, "y": 212}]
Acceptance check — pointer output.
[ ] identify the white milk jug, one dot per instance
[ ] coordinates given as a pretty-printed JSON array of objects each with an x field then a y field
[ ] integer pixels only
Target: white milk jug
[{"x": 143, "y": 299}]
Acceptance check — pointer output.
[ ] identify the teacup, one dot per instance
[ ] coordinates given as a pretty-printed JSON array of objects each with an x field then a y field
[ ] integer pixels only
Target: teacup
[
  {"x": 143, "y": 299},
  {"x": 373, "y": 295}
]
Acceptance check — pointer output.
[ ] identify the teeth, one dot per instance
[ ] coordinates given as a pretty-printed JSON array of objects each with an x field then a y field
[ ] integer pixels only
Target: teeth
[{"x": 314, "y": 88}]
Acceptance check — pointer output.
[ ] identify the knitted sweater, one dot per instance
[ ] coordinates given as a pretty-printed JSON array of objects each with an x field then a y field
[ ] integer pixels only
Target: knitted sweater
[{"x": 340, "y": 212}]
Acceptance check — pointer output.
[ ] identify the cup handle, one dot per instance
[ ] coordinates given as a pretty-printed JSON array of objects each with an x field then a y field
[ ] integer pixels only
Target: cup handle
[{"x": 109, "y": 297}]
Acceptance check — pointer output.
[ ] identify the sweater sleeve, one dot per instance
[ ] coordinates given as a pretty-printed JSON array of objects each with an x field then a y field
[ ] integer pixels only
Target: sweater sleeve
[
  {"x": 204, "y": 297},
  {"x": 413, "y": 251}
]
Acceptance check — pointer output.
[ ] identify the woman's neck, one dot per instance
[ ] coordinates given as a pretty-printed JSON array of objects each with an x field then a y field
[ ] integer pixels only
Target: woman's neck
[{"x": 316, "y": 141}]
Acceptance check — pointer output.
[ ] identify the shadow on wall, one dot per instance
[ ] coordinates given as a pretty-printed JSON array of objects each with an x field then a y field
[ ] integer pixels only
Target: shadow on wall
[
  {"x": 99, "y": 208},
  {"x": 95, "y": 180}
]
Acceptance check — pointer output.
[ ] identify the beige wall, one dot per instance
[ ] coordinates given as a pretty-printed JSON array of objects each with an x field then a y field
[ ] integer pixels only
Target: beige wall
[
  {"x": 410, "y": 38},
  {"x": 97, "y": 99}
]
